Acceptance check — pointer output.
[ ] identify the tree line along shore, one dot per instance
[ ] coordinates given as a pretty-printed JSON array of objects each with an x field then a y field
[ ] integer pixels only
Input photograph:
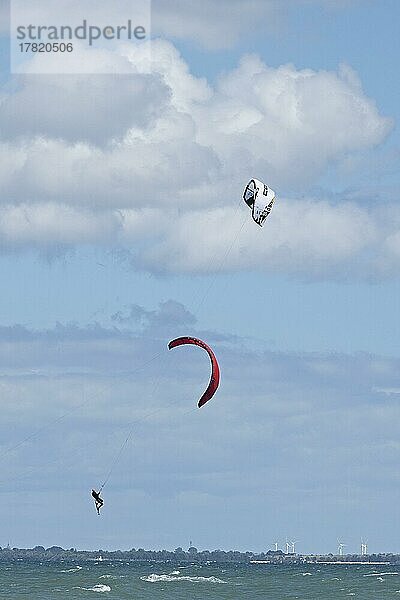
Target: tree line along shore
[{"x": 192, "y": 555}]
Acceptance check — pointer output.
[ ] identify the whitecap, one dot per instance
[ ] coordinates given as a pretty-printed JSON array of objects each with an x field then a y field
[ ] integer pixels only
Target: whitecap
[
  {"x": 99, "y": 588},
  {"x": 381, "y": 574},
  {"x": 73, "y": 570},
  {"x": 154, "y": 578}
]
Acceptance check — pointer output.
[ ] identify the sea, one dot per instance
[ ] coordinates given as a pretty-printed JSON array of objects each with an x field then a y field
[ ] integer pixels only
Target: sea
[{"x": 120, "y": 580}]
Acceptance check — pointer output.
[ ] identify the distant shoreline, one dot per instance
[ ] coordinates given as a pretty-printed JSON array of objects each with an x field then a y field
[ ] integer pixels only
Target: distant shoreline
[
  {"x": 353, "y": 562},
  {"x": 192, "y": 555}
]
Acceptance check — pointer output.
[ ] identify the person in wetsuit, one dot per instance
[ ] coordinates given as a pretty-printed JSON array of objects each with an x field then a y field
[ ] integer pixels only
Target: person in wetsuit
[{"x": 98, "y": 502}]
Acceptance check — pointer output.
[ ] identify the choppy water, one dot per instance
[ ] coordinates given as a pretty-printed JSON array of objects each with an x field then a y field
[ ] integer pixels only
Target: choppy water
[{"x": 163, "y": 581}]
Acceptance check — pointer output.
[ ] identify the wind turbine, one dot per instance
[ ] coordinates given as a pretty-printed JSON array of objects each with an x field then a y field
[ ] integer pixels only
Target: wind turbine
[
  {"x": 364, "y": 548},
  {"x": 287, "y": 544},
  {"x": 275, "y": 544},
  {"x": 340, "y": 548},
  {"x": 293, "y": 545}
]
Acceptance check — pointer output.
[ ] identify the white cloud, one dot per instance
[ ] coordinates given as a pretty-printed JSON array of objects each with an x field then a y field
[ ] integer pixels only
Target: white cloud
[
  {"x": 292, "y": 123},
  {"x": 219, "y": 25},
  {"x": 158, "y": 166},
  {"x": 80, "y": 107},
  {"x": 214, "y": 25},
  {"x": 306, "y": 237},
  {"x": 57, "y": 224}
]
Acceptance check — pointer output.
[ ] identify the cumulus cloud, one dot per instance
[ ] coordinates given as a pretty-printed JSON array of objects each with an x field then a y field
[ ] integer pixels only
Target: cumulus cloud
[
  {"x": 158, "y": 166},
  {"x": 80, "y": 107},
  {"x": 219, "y": 25},
  {"x": 292, "y": 123},
  {"x": 307, "y": 237},
  {"x": 60, "y": 225},
  {"x": 213, "y": 25}
]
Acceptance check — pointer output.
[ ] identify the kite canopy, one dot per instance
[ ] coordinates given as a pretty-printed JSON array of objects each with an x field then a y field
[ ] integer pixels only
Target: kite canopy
[
  {"x": 260, "y": 198},
  {"x": 215, "y": 377}
]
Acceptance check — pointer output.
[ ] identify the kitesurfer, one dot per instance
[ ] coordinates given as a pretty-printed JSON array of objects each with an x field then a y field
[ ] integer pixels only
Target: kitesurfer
[{"x": 98, "y": 502}]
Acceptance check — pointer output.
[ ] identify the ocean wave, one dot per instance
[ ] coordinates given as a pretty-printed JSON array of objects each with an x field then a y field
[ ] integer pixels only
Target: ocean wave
[
  {"x": 99, "y": 588},
  {"x": 380, "y": 574},
  {"x": 153, "y": 578},
  {"x": 73, "y": 570}
]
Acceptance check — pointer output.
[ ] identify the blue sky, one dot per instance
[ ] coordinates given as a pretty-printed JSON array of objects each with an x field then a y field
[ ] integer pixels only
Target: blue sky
[{"x": 130, "y": 199}]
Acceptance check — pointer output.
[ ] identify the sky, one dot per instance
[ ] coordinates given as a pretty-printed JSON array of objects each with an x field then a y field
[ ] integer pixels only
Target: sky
[{"x": 122, "y": 227}]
